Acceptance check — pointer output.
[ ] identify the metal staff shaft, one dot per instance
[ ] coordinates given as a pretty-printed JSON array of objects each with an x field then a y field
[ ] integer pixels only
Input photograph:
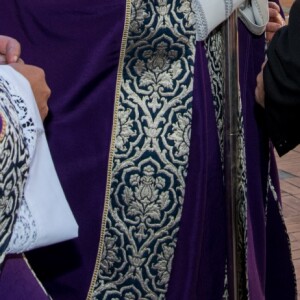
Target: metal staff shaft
[{"x": 231, "y": 130}]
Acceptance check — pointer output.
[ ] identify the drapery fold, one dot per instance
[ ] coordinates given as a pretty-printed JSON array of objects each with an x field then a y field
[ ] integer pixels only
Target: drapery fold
[{"x": 81, "y": 66}]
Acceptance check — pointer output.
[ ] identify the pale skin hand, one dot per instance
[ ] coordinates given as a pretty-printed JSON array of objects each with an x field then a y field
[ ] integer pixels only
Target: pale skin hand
[
  {"x": 37, "y": 80},
  {"x": 276, "y": 21},
  {"x": 10, "y": 50},
  {"x": 260, "y": 88}
]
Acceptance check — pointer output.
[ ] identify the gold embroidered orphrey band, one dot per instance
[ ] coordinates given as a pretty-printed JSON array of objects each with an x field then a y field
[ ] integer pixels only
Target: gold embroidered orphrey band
[{"x": 149, "y": 151}]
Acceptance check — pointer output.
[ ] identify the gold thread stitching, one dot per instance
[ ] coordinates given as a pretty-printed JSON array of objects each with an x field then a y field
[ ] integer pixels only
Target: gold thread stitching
[
  {"x": 34, "y": 275},
  {"x": 112, "y": 146}
]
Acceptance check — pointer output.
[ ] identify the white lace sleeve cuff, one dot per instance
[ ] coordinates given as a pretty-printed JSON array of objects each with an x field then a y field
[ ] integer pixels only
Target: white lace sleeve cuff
[{"x": 211, "y": 13}]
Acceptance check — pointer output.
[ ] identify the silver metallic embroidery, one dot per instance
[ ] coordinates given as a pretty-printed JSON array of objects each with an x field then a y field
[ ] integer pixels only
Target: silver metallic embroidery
[
  {"x": 201, "y": 21},
  {"x": 215, "y": 55},
  {"x": 150, "y": 152}
]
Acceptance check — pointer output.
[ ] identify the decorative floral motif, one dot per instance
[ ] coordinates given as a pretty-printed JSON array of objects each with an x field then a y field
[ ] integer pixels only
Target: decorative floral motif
[
  {"x": 147, "y": 200},
  {"x": 215, "y": 54},
  {"x": 182, "y": 133},
  {"x": 158, "y": 73},
  {"x": 189, "y": 15},
  {"x": 109, "y": 255},
  {"x": 164, "y": 264},
  {"x": 124, "y": 129},
  {"x": 147, "y": 182},
  {"x": 138, "y": 15},
  {"x": 163, "y": 8}
]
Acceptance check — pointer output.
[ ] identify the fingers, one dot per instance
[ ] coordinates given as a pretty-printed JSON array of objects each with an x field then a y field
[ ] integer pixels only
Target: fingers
[
  {"x": 42, "y": 94},
  {"x": 41, "y": 91},
  {"x": 276, "y": 21},
  {"x": 273, "y": 27},
  {"x": 274, "y": 6},
  {"x": 276, "y": 17},
  {"x": 260, "y": 90},
  {"x": 273, "y": 13},
  {"x": 37, "y": 79},
  {"x": 20, "y": 61},
  {"x": 11, "y": 48},
  {"x": 3, "y": 60},
  {"x": 44, "y": 112}
]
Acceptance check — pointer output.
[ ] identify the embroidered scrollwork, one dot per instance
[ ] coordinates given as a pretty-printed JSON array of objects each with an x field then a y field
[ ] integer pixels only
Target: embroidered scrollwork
[
  {"x": 150, "y": 153},
  {"x": 14, "y": 160}
]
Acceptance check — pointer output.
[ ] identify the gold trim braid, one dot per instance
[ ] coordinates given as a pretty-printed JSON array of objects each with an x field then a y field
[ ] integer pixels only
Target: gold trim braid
[
  {"x": 34, "y": 275},
  {"x": 112, "y": 145}
]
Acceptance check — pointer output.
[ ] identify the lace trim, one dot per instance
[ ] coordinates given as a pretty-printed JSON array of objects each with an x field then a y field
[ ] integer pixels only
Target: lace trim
[
  {"x": 201, "y": 21},
  {"x": 29, "y": 129},
  {"x": 25, "y": 231},
  {"x": 13, "y": 166}
]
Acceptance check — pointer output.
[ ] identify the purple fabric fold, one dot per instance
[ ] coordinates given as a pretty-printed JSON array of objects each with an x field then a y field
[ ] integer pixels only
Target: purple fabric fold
[
  {"x": 18, "y": 282},
  {"x": 78, "y": 45}
]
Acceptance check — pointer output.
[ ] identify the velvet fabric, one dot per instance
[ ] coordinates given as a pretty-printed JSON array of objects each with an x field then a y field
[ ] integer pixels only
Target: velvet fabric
[
  {"x": 17, "y": 281},
  {"x": 78, "y": 45}
]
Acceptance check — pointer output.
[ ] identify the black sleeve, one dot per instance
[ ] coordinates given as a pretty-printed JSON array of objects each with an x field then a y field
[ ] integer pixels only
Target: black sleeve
[{"x": 282, "y": 85}]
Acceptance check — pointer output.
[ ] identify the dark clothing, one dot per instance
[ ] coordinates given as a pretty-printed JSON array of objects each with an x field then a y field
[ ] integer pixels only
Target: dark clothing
[{"x": 282, "y": 85}]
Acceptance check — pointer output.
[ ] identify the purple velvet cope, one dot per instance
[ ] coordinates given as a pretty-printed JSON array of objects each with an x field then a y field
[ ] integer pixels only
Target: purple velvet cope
[
  {"x": 18, "y": 282},
  {"x": 78, "y": 46}
]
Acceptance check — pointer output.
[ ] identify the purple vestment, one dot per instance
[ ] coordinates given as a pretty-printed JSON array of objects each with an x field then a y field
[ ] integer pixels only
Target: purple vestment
[
  {"x": 18, "y": 281},
  {"x": 78, "y": 45}
]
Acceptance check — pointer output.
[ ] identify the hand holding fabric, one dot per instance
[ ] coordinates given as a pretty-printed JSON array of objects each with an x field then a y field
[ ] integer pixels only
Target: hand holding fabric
[
  {"x": 37, "y": 80},
  {"x": 282, "y": 84},
  {"x": 260, "y": 88}
]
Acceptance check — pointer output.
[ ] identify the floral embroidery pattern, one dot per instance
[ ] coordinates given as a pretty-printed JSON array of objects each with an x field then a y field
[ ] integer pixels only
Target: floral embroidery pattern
[
  {"x": 158, "y": 74},
  {"x": 215, "y": 54},
  {"x": 164, "y": 264},
  {"x": 182, "y": 133},
  {"x": 109, "y": 255},
  {"x": 124, "y": 129},
  {"x": 188, "y": 12},
  {"x": 150, "y": 157},
  {"x": 138, "y": 13}
]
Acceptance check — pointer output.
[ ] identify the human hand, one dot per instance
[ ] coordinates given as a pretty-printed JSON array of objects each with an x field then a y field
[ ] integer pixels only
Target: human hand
[
  {"x": 276, "y": 21},
  {"x": 260, "y": 88},
  {"x": 37, "y": 80},
  {"x": 10, "y": 50}
]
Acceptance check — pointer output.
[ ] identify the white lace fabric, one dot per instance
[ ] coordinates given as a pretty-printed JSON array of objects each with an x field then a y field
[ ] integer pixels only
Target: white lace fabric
[
  {"x": 211, "y": 13},
  {"x": 25, "y": 230},
  {"x": 44, "y": 216}
]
